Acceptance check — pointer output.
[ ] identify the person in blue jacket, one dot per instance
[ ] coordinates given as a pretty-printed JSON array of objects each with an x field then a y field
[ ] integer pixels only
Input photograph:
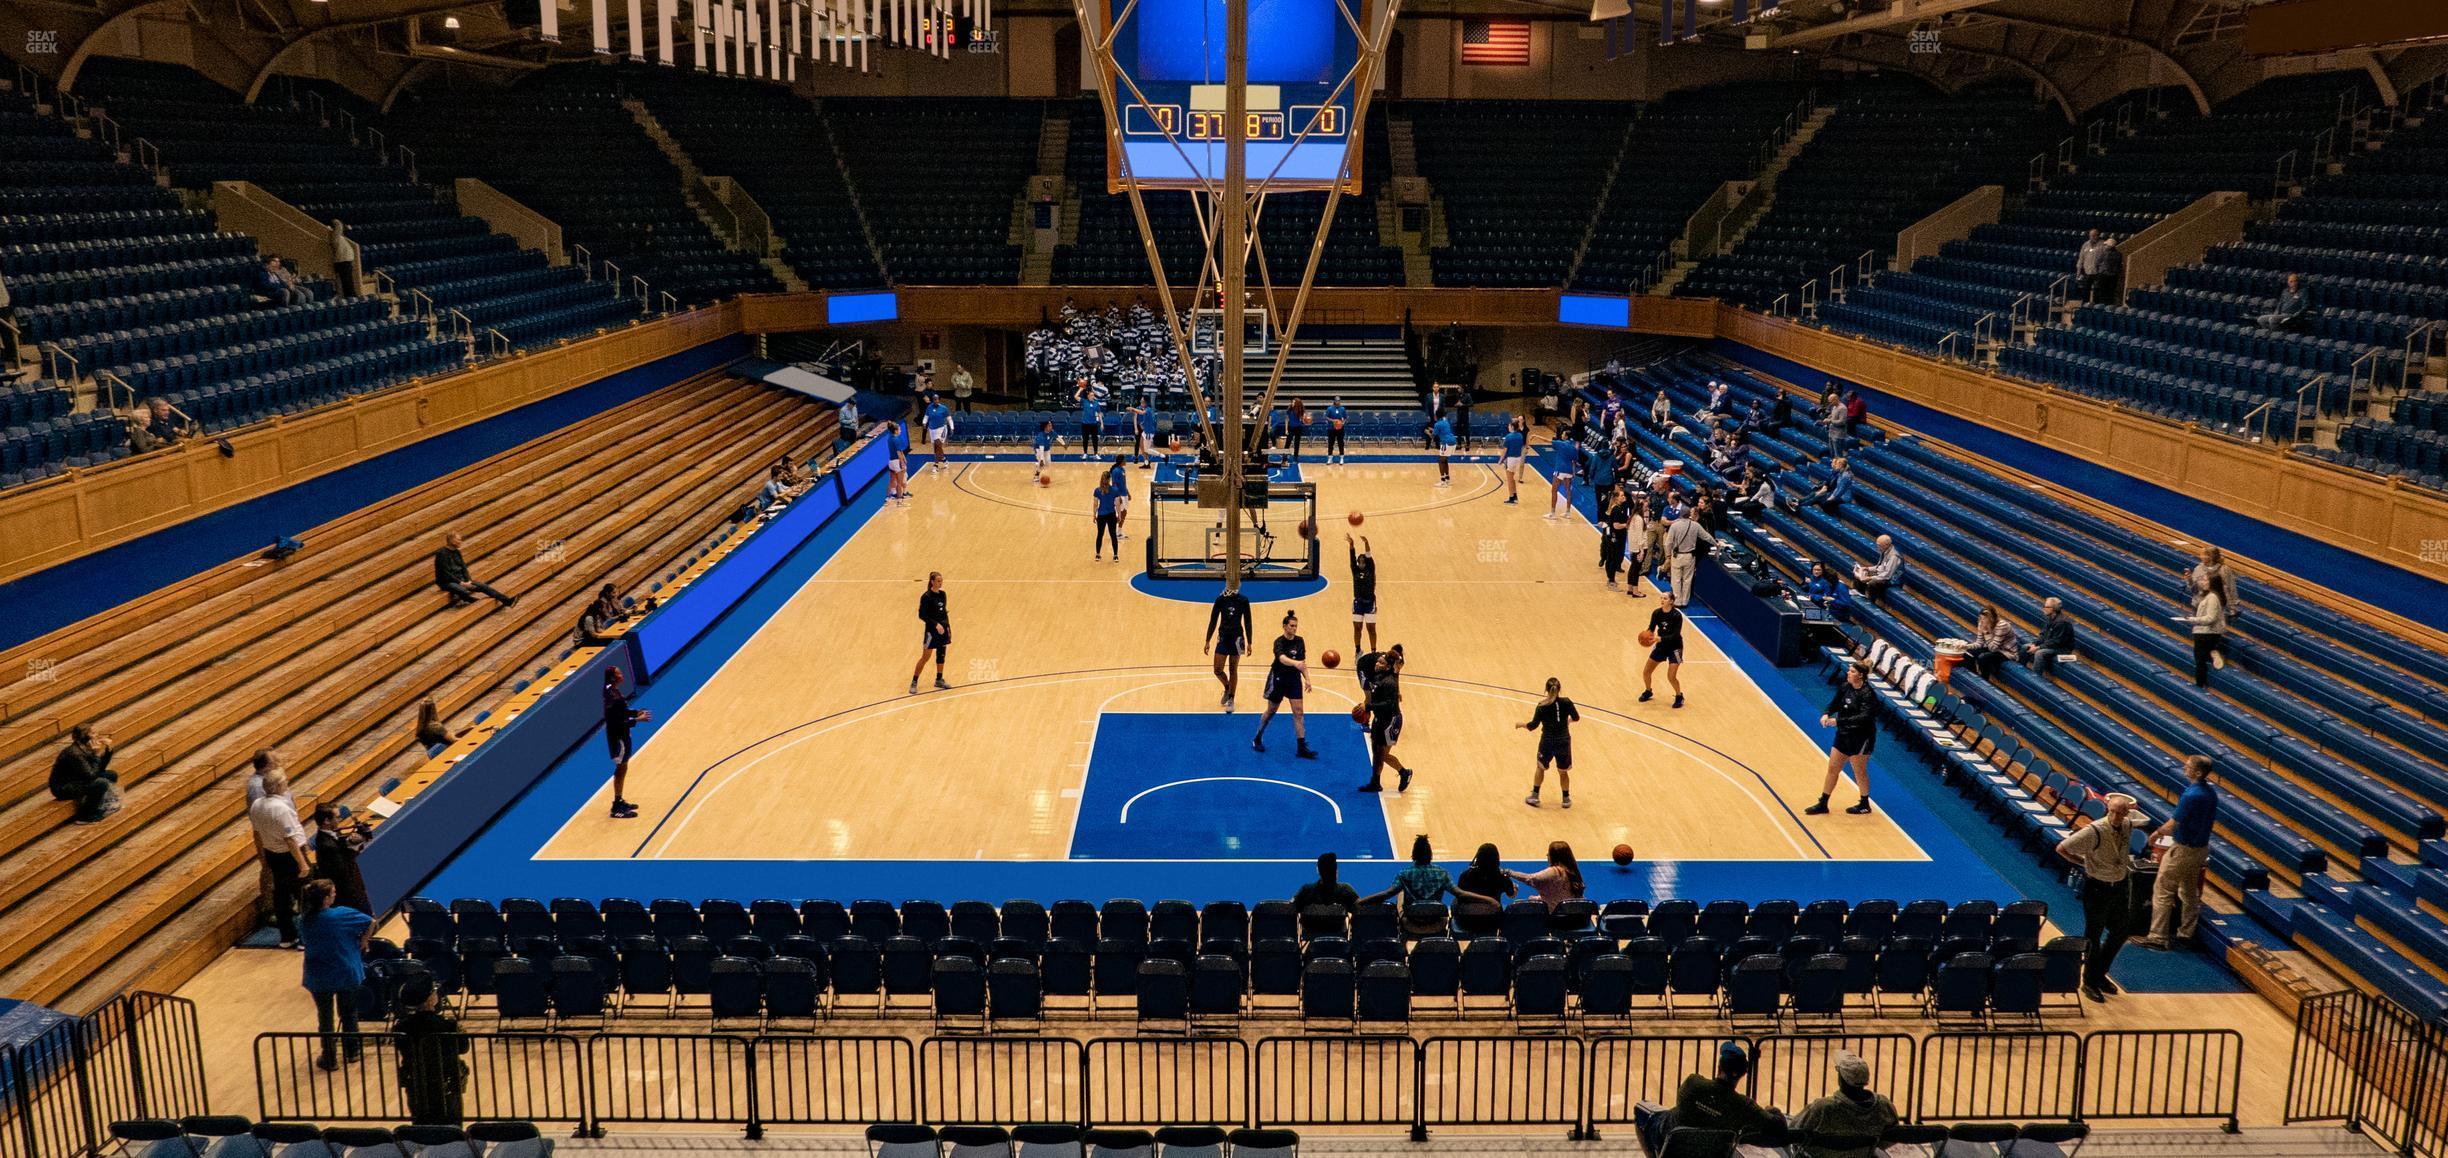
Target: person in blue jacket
[
  {"x": 1335, "y": 414},
  {"x": 1445, "y": 449},
  {"x": 1516, "y": 440}
]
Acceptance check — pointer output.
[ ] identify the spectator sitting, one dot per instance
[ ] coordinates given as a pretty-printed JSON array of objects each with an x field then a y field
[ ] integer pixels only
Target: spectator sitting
[
  {"x": 1854, "y": 1111},
  {"x": 2290, "y": 309},
  {"x": 2056, "y": 637},
  {"x": 1713, "y": 1103},
  {"x": 1424, "y": 883},
  {"x": 1876, "y": 578},
  {"x": 1559, "y": 882},
  {"x": 430, "y": 730},
  {"x": 277, "y": 286},
  {"x": 1856, "y": 412},
  {"x": 1994, "y": 638},
  {"x": 779, "y": 488},
  {"x": 1838, "y": 489},
  {"x": 600, "y": 624},
  {"x": 81, "y": 775},
  {"x": 1821, "y": 586},
  {"x": 1780, "y": 412},
  {"x": 451, "y": 575},
  {"x": 1324, "y": 892},
  {"x": 1759, "y": 498},
  {"x": 160, "y": 424},
  {"x": 1481, "y": 894}
]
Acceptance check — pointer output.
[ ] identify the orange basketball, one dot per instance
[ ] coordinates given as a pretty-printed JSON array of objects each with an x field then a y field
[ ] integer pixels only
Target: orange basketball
[
  {"x": 1360, "y": 714},
  {"x": 1354, "y": 517},
  {"x": 1308, "y": 529},
  {"x": 1331, "y": 659},
  {"x": 1045, "y": 480},
  {"x": 1648, "y": 639},
  {"x": 1623, "y": 855}
]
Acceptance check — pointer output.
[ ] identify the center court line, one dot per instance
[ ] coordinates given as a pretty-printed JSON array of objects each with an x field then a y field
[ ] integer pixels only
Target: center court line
[{"x": 1330, "y": 801}]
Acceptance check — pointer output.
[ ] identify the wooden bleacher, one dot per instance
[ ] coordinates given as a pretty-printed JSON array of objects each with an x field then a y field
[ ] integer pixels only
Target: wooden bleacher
[{"x": 324, "y": 658}]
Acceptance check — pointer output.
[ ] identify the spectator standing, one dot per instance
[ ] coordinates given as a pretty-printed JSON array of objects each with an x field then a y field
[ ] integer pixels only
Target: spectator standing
[
  {"x": 451, "y": 575},
  {"x": 282, "y": 843},
  {"x": 2056, "y": 637},
  {"x": 265, "y": 762},
  {"x": 1854, "y": 1111},
  {"x": 2209, "y": 623},
  {"x": 2103, "y": 852},
  {"x": 1780, "y": 411},
  {"x": 81, "y": 775},
  {"x": 2211, "y": 573},
  {"x": 344, "y": 260},
  {"x": 963, "y": 385},
  {"x": 2183, "y": 845},
  {"x": 1296, "y": 428},
  {"x": 336, "y": 843},
  {"x": 2086, "y": 266},
  {"x": 1684, "y": 538},
  {"x": 2108, "y": 288},
  {"x": 430, "y": 1072},
  {"x": 335, "y": 938}
]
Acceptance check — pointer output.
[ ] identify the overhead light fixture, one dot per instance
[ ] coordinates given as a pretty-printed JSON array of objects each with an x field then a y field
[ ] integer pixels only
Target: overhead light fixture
[{"x": 447, "y": 21}]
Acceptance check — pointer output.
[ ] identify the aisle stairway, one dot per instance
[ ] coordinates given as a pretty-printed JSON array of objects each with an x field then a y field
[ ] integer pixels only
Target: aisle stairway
[
  {"x": 324, "y": 660},
  {"x": 1735, "y": 230},
  {"x": 1368, "y": 374}
]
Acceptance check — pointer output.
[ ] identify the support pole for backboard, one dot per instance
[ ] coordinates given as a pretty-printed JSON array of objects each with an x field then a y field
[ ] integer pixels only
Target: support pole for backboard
[{"x": 1232, "y": 288}]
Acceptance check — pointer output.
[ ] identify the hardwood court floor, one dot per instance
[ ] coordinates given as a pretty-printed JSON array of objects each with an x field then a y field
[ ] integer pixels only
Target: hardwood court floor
[{"x": 805, "y": 746}]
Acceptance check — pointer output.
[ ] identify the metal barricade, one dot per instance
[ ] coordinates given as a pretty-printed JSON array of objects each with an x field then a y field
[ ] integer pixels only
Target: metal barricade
[
  {"x": 1157, "y": 1081},
  {"x": 2162, "y": 1073},
  {"x": 1997, "y": 1077},
  {"x": 1502, "y": 1081},
  {"x": 1370, "y": 1080},
  {"x": 1790, "y": 1072},
  {"x": 697, "y": 1079},
  {"x": 817, "y": 1081},
  {"x": 1625, "y": 1071},
  {"x": 1000, "y": 1081}
]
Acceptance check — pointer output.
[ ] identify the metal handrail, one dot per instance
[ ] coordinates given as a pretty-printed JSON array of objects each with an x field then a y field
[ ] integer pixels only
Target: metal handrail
[
  {"x": 2365, "y": 372},
  {"x": 52, "y": 355},
  {"x": 2418, "y": 350},
  {"x": 2284, "y": 174},
  {"x": 612, "y": 273},
  {"x": 2021, "y": 309},
  {"x": 1946, "y": 345},
  {"x": 1982, "y": 327},
  {"x": 106, "y": 130},
  {"x": 2037, "y": 179},
  {"x": 1777, "y": 307},
  {"x": 465, "y": 327},
  {"x": 384, "y": 283},
  {"x": 2324, "y": 146},
  {"x": 2058, "y": 290},
  {"x": 417, "y": 297},
  {"x": 671, "y": 305},
  {"x": 314, "y": 106},
  {"x": 382, "y": 147},
  {"x": 500, "y": 345},
  {"x": 148, "y": 154},
  {"x": 407, "y": 160},
  {"x": 106, "y": 379},
  {"x": 1836, "y": 282},
  {"x": 644, "y": 291},
  {"x": 1810, "y": 299},
  {"x": 584, "y": 260}
]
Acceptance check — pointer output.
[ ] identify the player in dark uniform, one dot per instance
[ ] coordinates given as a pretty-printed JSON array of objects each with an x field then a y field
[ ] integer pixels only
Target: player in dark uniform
[
  {"x": 1383, "y": 679},
  {"x": 618, "y": 716},
  {"x": 1854, "y": 715},
  {"x": 1287, "y": 679},
  {"x": 935, "y": 625},
  {"x": 1228, "y": 632},
  {"x": 1364, "y": 591},
  {"x": 1666, "y": 622},
  {"x": 1554, "y": 720}
]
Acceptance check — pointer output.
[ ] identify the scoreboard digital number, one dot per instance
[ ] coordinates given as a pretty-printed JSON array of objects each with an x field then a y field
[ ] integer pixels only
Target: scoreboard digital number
[{"x": 1173, "y": 127}]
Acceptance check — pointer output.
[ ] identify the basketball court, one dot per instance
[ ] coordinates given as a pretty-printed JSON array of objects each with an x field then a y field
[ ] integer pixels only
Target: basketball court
[{"x": 1083, "y": 726}]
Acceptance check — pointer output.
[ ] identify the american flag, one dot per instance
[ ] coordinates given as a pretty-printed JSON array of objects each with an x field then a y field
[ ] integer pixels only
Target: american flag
[{"x": 1495, "y": 42}]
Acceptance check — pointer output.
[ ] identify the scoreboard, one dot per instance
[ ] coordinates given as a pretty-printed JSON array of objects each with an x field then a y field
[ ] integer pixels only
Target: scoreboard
[{"x": 1298, "y": 123}]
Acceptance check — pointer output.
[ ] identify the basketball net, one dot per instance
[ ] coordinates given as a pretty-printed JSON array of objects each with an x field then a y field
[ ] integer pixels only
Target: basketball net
[{"x": 1229, "y": 209}]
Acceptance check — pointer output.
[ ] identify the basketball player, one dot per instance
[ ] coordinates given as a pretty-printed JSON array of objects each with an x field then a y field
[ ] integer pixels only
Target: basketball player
[
  {"x": 1108, "y": 517},
  {"x": 1614, "y": 533},
  {"x": 618, "y": 716},
  {"x": 1334, "y": 429},
  {"x": 1287, "y": 679},
  {"x": 1228, "y": 626},
  {"x": 1091, "y": 416},
  {"x": 938, "y": 428},
  {"x": 1443, "y": 432},
  {"x": 896, "y": 448},
  {"x": 1666, "y": 622},
  {"x": 1364, "y": 593},
  {"x": 1384, "y": 684},
  {"x": 1567, "y": 464},
  {"x": 1554, "y": 719},
  {"x": 1045, "y": 448},
  {"x": 935, "y": 622},
  {"x": 1516, "y": 439},
  {"x": 1140, "y": 422},
  {"x": 1120, "y": 474},
  {"x": 1854, "y": 715}
]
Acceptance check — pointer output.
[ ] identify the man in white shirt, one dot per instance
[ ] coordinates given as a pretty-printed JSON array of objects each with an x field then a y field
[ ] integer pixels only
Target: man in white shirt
[
  {"x": 266, "y": 762},
  {"x": 1876, "y": 578},
  {"x": 2103, "y": 850},
  {"x": 282, "y": 843}
]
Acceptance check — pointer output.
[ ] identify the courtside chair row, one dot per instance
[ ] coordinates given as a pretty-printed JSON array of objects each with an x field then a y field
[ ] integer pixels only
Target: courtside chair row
[{"x": 232, "y": 1136}]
